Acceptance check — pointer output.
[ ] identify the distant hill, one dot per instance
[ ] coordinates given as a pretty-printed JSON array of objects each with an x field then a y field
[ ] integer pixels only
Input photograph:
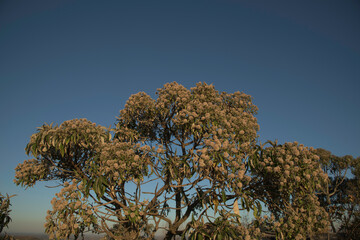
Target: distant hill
[
  {"x": 41, "y": 236},
  {"x": 28, "y": 238}
]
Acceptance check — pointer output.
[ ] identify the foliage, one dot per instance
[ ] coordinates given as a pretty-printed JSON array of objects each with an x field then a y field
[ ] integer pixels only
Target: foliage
[
  {"x": 287, "y": 177},
  {"x": 122, "y": 230},
  {"x": 226, "y": 226},
  {"x": 5, "y": 218},
  {"x": 352, "y": 226},
  {"x": 340, "y": 196},
  {"x": 189, "y": 160}
]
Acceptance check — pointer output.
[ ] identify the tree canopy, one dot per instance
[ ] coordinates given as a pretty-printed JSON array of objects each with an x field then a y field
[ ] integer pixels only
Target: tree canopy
[{"x": 187, "y": 163}]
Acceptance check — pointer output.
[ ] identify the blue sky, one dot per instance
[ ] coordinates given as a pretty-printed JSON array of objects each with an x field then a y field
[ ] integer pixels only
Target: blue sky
[{"x": 59, "y": 60}]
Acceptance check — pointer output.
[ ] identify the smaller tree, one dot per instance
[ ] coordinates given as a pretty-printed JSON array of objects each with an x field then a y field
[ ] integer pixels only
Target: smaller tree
[
  {"x": 340, "y": 195},
  {"x": 350, "y": 224},
  {"x": 5, "y": 218}
]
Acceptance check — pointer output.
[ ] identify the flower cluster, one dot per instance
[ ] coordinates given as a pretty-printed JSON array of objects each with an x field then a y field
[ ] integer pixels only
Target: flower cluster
[
  {"x": 123, "y": 161},
  {"x": 30, "y": 171},
  {"x": 292, "y": 175},
  {"x": 57, "y": 148},
  {"x": 134, "y": 212},
  {"x": 139, "y": 111},
  {"x": 53, "y": 141},
  {"x": 70, "y": 215},
  {"x": 302, "y": 218},
  {"x": 221, "y": 161},
  {"x": 293, "y": 166},
  {"x": 221, "y": 127}
]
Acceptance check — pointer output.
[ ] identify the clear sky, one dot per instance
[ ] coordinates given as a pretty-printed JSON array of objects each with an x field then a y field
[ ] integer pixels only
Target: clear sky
[{"x": 61, "y": 59}]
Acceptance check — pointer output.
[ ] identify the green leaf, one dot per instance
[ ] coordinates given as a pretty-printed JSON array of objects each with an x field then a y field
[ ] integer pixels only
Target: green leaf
[
  {"x": 103, "y": 181},
  {"x": 186, "y": 163},
  {"x": 245, "y": 204},
  {"x": 88, "y": 186},
  {"x": 216, "y": 204},
  {"x": 220, "y": 236},
  {"x": 259, "y": 207},
  {"x": 27, "y": 149},
  {"x": 100, "y": 186},
  {"x": 62, "y": 149},
  {"x": 176, "y": 172},
  {"x": 96, "y": 187},
  {"x": 232, "y": 233},
  {"x": 102, "y": 190},
  {"x": 223, "y": 196},
  {"x": 110, "y": 136},
  {"x": 34, "y": 152}
]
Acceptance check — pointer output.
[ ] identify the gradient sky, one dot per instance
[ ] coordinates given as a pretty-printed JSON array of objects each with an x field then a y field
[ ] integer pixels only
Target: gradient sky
[{"x": 61, "y": 59}]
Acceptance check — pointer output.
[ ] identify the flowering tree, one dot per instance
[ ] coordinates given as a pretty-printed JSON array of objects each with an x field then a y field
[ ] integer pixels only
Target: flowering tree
[
  {"x": 187, "y": 162},
  {"x": 286, "y": 180}
]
